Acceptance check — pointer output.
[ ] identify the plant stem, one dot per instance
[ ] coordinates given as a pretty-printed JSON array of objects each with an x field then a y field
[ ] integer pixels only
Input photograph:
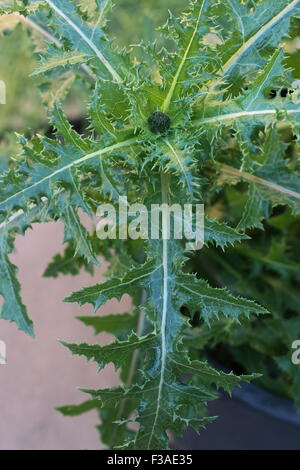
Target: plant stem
[
  {"x": 255, "y": 179},
  {"x": 165, "y": 299}
]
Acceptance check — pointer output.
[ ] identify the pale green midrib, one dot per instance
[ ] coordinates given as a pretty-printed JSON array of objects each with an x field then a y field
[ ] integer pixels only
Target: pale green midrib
[
  {"x": 241, "y": 114},
  {"x": 271, "y": 64},
  {"x": 69, "y": 131},
  {"x": 83, "y": 239},
  {"x": 263, "y": 182},
  {"x": 51, "y": 38},
  {"x": 120, "y": 284},
  {"x": 236, "y": 56},
  {"x": 102, "y": 13},
  {"x": 180, "y": 165},
  {"x": 117, "y": 347},
  {"x": 61, "y": 62},
  {"x": 239, "y": 20},
  {"x": 77, "y": 162},
  {"x": 168, "y": 98},
  {"x": 182, "y": 286},
  {"x": 189, "y": 366},
  {"x": 165, "y": 200},
  {"x": 98, "y": 53},
  {"x": 23, "y": 322}
]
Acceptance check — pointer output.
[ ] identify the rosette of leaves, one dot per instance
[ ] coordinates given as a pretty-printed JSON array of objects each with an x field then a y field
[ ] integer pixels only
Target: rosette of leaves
[{"x": 220, "y": 108}]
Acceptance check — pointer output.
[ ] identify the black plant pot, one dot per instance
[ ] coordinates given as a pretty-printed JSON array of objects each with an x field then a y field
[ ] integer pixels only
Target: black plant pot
[{"x": 253, "y": 419}]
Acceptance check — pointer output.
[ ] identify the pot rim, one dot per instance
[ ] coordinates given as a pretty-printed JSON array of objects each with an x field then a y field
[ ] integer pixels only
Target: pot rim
[
  {"x": 261, "y": 399},
  {"x": 267, "y": 402}
]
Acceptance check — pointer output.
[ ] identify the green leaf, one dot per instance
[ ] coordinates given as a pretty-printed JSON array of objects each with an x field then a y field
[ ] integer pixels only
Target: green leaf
[
  {"x": 208, "y": 375},
  {"x": 75, "y": 410},
  {"x": 255, "y": 28},
  {"x": 60, "y": 59},
  {"x": 114, "y": 288},
  {"x": 26, "y": 183},
  {"x": 89, "y": 41},
  {"x": 196, "y": 294},
  {"x": 67, "y": 263},
  {"x": 188, "y": 31},
  {"x": 12, "y": 308},
  {"x": 271, "y": 182},
  {"x": 221, "y": 234},
  {"x": 115, "y": 324},
  {"x": 75, "y": 232},
  {"x": 118, "y": 352},
  {"x": 220, "y": 75}
]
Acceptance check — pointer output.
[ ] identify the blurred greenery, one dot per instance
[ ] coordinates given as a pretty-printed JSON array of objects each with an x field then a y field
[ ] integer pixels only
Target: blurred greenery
[
  {"x": 132, "y": 21},
  {"x": 22, "y": 108}
]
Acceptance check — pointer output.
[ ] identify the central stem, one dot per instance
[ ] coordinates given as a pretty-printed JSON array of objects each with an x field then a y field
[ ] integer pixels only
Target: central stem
[{"x": 165, "y": 231}]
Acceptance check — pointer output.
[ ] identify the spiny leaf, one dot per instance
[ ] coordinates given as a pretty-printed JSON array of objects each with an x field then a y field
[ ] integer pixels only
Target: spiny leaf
[
  {"x": 271, "y": 182},
  {"x": 60, "y": 59},
  {"x": 188, "y": 31},
  {"x": 216, "y": 90},
  {"x": 114, "y": 288},
  {"x": 258, "y": 27},
  {"x": 67, "y": 263},
  {"x": 29, "y": 184},
  {"x": 75, "y": 232},
  {"x": 89, "y": 41},
  {"x": 220, "y": 233},
  {"x": 208, "y": 375},
  {"x": 12, "y": 308},
  {"x": 75, "y": 410},
  {"x": 118, "y": 352},
  {"x": 198, "y": 295}
]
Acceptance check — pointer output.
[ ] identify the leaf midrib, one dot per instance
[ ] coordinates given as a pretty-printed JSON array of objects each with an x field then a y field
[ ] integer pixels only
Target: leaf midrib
[
  {"x": 258, "y": 180},
  {"x": 90, "y": 43},
  {"x": 253, "y": 39},
  {"x": 210, "y": 297},
  {"x": 241, "y": 114},
  {"x": 77, "y": 162},
  {"x": 168, "y": 98},
  {"x": 120, "y": 284},
  {"x": 168, "y": 143},
  {"x": 165, "y": 299}
]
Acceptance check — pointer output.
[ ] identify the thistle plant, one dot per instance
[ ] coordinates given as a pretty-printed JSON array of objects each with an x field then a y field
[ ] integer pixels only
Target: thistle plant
[{"x": 212, "y": 114}]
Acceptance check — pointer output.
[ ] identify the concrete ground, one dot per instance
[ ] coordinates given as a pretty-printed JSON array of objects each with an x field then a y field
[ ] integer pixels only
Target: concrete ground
[{"x": 41, "y": 374}]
